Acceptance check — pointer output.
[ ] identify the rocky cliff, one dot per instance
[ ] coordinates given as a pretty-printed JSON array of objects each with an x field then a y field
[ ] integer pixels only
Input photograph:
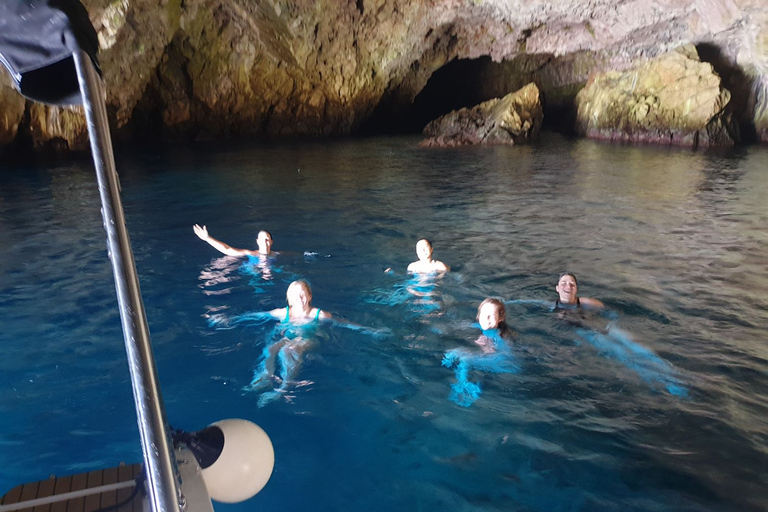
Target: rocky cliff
[{"x": 216, "y": 68}]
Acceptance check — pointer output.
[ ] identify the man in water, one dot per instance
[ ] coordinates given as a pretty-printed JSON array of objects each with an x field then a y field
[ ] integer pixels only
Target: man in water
[
  {"x": 426, "y": 264},
  {"x": 263, "y": 241}
]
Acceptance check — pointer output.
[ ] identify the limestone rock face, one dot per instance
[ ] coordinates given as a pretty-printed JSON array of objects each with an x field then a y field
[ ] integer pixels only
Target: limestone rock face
[
  {"x": 11, "y": 113},
  {"x": 674, "y": 99},
  {"x": 761, "y": 110},
  {"x": 62, "y": 128},
  {"x": 514, "y": 119},
  {"x": 215, "y": 68}
]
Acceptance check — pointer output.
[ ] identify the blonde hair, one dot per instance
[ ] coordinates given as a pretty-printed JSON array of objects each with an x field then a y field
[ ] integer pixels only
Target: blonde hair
[{"x": 299, "y": 283}]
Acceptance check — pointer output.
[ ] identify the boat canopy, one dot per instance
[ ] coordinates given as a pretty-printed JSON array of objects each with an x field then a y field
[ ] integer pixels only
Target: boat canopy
[{"x": 37, "y": 42}]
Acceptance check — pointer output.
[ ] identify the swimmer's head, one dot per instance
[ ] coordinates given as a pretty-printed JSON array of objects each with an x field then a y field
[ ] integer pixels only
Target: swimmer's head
[
  {"x": 491, "y": 314},
  {"x": 299, "y": 294},
  {"x": 264, "y": 241},
  {"x": 567, "y": 287},
  {"x": 424, "y": 249}
]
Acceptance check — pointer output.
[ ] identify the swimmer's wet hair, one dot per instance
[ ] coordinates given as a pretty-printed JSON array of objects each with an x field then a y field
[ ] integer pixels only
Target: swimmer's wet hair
[
  {"x": 503, "y": 328},
  {"x": 499, "y": 307},
  {"x": 568, "y": 274},
  {"x": 425, "y": 240},
  {"x": 300, "y": 282}
]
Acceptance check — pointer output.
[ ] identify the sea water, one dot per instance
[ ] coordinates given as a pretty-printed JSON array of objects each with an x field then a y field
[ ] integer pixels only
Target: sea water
[{"x": 661, "y": 403}]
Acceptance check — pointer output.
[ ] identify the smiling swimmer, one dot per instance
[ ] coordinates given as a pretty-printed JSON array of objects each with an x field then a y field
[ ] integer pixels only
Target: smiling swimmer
[
  {"x": 567, "y": 289},
  {"x": 496, "y": 356}
]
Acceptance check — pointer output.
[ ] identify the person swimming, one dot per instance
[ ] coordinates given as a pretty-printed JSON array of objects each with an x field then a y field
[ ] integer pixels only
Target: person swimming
[
  {"x": 496, "y": 355},
  {"x": 611, "y": 340},
  {"x": 263, "y": 241},
  {"x": 425, "y": 263},
  {"x": 296, "y": 321},
  {"x": 299, "y": 297},
  {"x": 491, "y": 314},
  {"x": 567, "y": 289}
]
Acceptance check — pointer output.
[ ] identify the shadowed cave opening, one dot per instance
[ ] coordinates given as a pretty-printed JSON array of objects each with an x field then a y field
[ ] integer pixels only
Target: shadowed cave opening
[{"x": 464, "y": 83}]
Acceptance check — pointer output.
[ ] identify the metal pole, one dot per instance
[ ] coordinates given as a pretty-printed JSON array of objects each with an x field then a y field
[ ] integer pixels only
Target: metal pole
[{"x": 162, "y": 475}]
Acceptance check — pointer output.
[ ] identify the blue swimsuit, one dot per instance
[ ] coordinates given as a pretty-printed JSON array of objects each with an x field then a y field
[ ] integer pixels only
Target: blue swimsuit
[{"x": 288, "y": 315}]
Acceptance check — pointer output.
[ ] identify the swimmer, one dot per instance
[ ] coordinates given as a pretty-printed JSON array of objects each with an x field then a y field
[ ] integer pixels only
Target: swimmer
[
  {"x": 567, "y": 288},
  {"x": 296, "y": 318},
  {"x": 263, "y": 241},
  {"x": 496, "y": 356},
  {"x": 426, "y": 264},
  {"x": 299, "y": 309},
  {"x": 492, "y": 317}
]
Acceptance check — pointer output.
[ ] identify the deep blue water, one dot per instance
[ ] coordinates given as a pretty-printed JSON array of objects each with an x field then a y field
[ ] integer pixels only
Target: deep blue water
[{"x": 673, "y": 241}]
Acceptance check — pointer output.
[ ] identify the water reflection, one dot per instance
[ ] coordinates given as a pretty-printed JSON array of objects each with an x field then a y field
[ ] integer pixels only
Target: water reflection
[
  {"x": 420, "y": 293},
  {"x": 643, "y": 175},
  {"x": 219, "y": 274}
]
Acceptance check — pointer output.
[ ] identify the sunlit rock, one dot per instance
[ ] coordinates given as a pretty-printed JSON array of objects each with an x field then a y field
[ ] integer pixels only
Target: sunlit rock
[
  {"x": 514, "y": 119},
  {"x": 11, "y": 111},
  {"x": 62, "y": 128},
  {"x": 674, "y": 99},
  {"x": 216, "y": 68},
  {"x": 761, "y": 109}
]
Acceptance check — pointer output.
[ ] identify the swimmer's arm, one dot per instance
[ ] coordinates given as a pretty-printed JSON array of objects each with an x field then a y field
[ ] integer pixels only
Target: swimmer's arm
[
  {"x": 543, "y": 303},
  {"x": 413, "y": 267},
  {"x": 441, "y": 267},
  {"x": 258, "y": 317},
  {"x": 591, "y": 303},
  {"x": 377, "y": 333},
  {"x": 202, "y": 233}
]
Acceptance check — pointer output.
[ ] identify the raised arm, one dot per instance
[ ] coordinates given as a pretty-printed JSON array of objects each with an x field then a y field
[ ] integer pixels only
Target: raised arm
[{"x": 202, "y": 233}]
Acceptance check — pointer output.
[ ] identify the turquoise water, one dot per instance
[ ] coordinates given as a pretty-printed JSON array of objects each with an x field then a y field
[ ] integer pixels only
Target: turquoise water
[{"x": 660, "y": 404}]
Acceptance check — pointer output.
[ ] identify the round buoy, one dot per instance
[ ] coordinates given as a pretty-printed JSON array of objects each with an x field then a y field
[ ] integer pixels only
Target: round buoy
[{"x": 244, "y": 465}]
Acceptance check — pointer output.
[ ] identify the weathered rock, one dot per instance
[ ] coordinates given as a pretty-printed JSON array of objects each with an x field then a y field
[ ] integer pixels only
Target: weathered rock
[
  {"x": 514, "y": 119},
  {"x": 761, "y": 110},
  {"x": 216, "y": 68},
  {"x": 674, "y": 99},
  {"x": 62, "y": 128},
  {"x": 11, "y": 113}
]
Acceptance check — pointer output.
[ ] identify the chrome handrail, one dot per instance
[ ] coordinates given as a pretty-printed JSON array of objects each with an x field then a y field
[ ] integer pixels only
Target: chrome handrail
[{"x": 160, "y": 464}]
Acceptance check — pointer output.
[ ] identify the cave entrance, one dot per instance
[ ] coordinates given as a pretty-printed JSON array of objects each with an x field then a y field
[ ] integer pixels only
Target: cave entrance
[
  {"x": 458, "y": 84},
  {"x": 464, "y": 83}
]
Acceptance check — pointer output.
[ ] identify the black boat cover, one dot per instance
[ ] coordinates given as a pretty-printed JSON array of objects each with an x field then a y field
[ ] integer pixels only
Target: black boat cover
[{"x": 37, "y": 39}]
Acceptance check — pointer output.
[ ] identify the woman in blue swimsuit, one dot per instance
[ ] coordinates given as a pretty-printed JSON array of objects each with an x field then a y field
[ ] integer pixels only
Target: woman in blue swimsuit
[
  {"x": 297, "y": 320},
  {"x": 299, "y": 310}
]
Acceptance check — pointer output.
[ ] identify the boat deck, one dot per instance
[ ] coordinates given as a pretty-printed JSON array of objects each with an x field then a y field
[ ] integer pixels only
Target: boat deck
[{"x": 99, "y": 499}]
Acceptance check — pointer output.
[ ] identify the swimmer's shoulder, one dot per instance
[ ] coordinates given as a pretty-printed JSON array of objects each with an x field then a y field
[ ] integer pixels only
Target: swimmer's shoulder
[
  {"x": 439, "y": 266},
  {"x": 427, "y": 268},
  {"x": 587, "y": 302}
]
